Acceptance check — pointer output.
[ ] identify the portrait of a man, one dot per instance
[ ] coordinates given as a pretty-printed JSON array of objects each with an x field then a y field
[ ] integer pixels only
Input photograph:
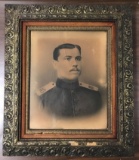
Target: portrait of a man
[
  {"x": 68, "y": 97},
  {"x": 68, "y": 80}
]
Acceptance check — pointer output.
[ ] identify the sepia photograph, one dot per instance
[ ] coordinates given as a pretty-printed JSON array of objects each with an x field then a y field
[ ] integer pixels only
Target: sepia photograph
[{"x": 68, "y": 79}]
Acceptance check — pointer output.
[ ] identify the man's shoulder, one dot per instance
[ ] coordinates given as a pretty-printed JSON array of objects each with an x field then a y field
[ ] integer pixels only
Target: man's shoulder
[
  {"x": 45, "y": 88},
  {"x": 51, "y": 85},
  {"x": 88, "y": 86},
  {"x": 90, "y": 93}
]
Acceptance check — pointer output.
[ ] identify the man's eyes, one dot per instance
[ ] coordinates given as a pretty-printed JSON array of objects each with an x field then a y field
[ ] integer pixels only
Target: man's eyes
[
  {"x": 78, "y": 58},
  {"x": 70, "y": 58}
]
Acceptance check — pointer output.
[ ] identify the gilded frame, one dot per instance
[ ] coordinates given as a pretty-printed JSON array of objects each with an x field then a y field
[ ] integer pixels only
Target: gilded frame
[{"x": 116, "y": 140}]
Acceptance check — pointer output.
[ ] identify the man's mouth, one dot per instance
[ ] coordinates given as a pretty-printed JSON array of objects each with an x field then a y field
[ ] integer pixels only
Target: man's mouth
[{"x": 75, "y": 70}]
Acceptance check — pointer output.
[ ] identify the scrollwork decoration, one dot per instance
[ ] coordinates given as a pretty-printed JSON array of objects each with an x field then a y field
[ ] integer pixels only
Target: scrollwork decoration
[{"x": 121, "y": 15}]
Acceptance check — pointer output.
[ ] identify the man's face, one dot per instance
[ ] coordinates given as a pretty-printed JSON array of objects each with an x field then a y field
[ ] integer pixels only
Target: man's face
[{"x": 68, "y": 65}]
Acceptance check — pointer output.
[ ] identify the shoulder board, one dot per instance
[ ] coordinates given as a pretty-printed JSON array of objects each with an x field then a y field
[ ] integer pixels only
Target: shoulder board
[
  {"x": 45, "y": 88},
  {"x": 88, "y": 86}
]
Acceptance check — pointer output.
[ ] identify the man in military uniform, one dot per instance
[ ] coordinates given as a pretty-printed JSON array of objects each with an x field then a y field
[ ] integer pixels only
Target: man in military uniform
[{"x": 68, "y": 97}]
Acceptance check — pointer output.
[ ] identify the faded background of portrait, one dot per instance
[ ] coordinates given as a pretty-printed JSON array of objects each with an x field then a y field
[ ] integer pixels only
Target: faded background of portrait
[{"x": 94, "y": 72}]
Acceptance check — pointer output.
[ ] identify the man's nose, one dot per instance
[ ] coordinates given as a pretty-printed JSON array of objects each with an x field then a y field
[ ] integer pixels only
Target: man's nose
[{"x": 74, "y": 62}]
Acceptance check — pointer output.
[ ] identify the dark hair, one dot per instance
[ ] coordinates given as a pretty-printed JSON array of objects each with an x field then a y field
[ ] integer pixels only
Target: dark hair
[{"x": 63, "y": 46}]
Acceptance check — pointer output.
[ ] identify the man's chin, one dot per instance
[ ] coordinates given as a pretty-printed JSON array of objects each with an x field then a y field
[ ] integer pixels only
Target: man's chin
[{"x": 73, "y": 79}]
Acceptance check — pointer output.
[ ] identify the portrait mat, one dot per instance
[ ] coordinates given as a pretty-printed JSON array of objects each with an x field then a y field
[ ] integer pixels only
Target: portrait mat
[{"x": 35, "y": 60}]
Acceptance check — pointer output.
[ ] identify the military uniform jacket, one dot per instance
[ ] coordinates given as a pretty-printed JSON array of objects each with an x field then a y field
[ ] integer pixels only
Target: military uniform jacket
[{"x": 70, "y": 99}]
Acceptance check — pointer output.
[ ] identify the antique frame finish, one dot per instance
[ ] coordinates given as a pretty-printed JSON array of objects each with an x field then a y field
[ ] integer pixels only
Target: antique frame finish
[{"x": 16, "y": 142}]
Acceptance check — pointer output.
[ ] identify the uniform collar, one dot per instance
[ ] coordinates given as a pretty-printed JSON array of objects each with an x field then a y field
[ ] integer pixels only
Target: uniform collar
[{"x": 67, "y": 85}]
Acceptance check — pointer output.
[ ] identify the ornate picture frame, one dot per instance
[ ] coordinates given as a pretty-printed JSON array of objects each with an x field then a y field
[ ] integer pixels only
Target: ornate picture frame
[{"x": 104, "y": 33}]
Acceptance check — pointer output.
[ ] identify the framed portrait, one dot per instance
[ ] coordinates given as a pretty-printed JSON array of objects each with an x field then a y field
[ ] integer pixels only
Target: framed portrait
[{"x": 68, "y": 80}]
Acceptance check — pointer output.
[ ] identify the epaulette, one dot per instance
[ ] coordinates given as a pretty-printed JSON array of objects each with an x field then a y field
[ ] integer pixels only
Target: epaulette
[
  {"x": 45, "y": 88},
  {"x": 88, "y": 86}
]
